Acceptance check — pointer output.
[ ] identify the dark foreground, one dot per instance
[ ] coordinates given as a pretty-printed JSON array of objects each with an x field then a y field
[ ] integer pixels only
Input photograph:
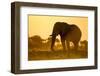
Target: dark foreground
[{"x": 59, "y": 54}]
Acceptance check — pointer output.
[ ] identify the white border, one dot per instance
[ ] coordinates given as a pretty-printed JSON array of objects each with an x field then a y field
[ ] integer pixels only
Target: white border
[{"x": 25, "y": 64}]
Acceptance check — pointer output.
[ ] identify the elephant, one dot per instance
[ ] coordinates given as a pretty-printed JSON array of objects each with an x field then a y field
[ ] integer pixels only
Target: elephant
[{"x": 68, "y": 33}]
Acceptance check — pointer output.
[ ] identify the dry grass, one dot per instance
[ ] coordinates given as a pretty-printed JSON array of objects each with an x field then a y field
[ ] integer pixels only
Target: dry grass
[
  {"x": 58, "y": 54},
  {"x": 39, "y": 49}
]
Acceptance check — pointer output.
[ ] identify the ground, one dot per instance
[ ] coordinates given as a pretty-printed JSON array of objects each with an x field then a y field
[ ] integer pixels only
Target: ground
[{"x": 58, "y": 54}]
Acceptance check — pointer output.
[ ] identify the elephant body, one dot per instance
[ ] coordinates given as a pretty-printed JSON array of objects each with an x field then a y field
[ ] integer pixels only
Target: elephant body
[{"x": 68, "y": 33}]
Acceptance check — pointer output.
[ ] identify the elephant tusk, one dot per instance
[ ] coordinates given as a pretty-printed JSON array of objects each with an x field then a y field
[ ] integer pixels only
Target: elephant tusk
[{"x": 50, "y": 35}]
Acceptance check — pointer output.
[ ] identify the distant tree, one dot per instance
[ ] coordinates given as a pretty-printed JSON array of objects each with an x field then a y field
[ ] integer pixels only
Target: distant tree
[
  {"x": 36, "y": 38},
  {"x": 30, "y": 44},
  {"x": 35, "y": 41}
]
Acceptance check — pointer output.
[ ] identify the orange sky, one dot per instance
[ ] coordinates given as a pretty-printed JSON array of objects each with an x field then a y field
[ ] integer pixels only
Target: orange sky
[{"x": 43, "y": 25}]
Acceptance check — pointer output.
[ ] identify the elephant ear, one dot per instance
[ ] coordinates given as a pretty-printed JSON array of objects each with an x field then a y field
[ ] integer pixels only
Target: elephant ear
[{"x": 69, "y": 29}]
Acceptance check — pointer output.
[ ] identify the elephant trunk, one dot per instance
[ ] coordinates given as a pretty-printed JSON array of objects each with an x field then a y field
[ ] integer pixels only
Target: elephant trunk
[{"x": 53, "y": 41}]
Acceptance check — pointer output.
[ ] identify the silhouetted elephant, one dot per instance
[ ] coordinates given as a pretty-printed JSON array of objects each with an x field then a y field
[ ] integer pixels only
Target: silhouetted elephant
[{"x": 68, "y": 33}]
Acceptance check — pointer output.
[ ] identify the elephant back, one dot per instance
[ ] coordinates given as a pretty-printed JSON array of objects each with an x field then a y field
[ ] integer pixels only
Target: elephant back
[{"x": 74, "y": 34}]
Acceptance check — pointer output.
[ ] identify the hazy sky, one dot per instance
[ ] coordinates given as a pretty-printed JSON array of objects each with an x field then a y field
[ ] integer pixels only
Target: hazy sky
[{"x": 43, "y": 25}]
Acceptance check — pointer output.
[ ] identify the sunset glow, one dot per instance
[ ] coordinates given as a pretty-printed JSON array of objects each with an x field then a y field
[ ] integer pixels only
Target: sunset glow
[{"x": 43, "y": 25}]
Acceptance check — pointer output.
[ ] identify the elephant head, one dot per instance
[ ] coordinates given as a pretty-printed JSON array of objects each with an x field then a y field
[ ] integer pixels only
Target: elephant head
[{"x": 67, "y": 33}]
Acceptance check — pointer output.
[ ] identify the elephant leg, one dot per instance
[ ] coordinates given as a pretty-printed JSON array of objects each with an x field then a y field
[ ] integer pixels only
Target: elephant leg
[
  {"x": 68, "y": 48},
  {"x": 68, "y": 44},
  {"x": 76, "y": 46},
  {"x": 63, "y": 43},
  {"x": 53, "y": 42}
]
